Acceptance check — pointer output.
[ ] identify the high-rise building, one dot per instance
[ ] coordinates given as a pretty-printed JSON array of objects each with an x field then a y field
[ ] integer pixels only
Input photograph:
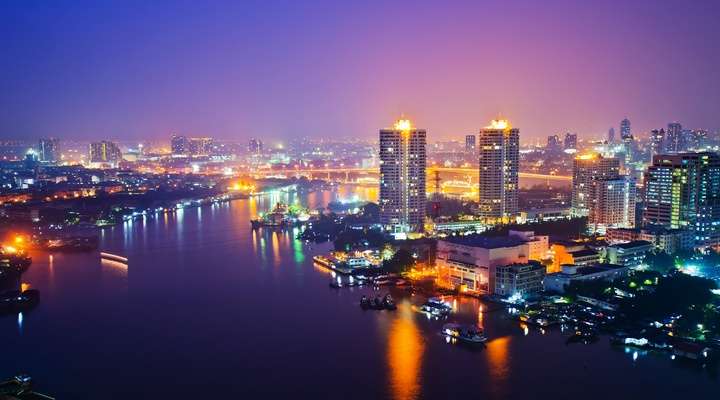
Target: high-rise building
[
  {"x": 570, "y": 141},
  {"x": 105, "y": 153},
  {"x": 673, "y": 139},
  {"x": 682, "y": 191},
  {"x": 402, "y": 177},
  {"x": 628, "y": 142},
  {"x": 498, "y": 149},
  {"x": 587, "y": 169},
  {"x": 657, "y": 142},
  {"x": 553, "y": 144},
  {"x": 611, "y": 135},
  {"x": 255, "y": 146},
  {"x": 179, "y": 145},
  {"x": 470, "y": 143},
  {"x": 49, "y": 150},
  {"x": 625, "y": 128},
  {"x": 201, "y": 146},
  {"x": 613, "y": 204}
]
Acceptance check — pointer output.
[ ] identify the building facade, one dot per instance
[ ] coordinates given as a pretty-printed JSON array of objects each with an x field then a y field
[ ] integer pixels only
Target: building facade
[
  {"x": 49, "y": 150},
  {"x": 499, "y": 155},
  {"x": 402, "y": 177},
  {"x": 519, "y": 279},
  {"x": 587, "y": 169}
]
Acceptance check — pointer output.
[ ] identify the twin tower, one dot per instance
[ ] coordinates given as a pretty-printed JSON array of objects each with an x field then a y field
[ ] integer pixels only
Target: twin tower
[{"x": 403, "y": 163}]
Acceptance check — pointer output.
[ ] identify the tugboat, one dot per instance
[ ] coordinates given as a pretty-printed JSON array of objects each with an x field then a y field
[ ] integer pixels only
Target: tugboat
[
  {"x": 435, "y": 307},
  {"x": 469, "y": 334}
]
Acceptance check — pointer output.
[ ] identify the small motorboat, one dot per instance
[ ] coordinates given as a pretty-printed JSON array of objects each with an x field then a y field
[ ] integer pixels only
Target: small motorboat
[
  {"x": 436, "y": 307},
  {"x": 470, "y": 334}
]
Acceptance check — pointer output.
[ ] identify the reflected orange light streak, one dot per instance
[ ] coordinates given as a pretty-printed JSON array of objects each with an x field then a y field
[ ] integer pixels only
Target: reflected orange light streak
[
  {"x": 405, "y": 351},
  {"x": 497, "y": 355}
]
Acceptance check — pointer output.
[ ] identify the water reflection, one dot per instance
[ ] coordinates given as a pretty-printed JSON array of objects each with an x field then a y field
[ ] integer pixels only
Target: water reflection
[
  {"x": 405, "y": 352},
  {"x": 498, "y": 362}
]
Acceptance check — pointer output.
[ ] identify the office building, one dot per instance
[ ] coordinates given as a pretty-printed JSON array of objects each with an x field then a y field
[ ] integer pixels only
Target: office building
[
  {"x": 587, "y": 169},
  {"x": 519, "y": 279},
  {"x": 674, "y": 140},
  {"x": 570, "y": 142},
  {"x": 498, "y": 152},
  {"x": 105, "y": 152},
  {"x": 630, "y": 254},
  {"x": 611, "y": 135},
  {"x": 613, "y": 204},
  {"x": 470, "y": 143},
  {"x": 682, "y": 191},
  {"x": 49, "y": 150},
  {"x": 402, "y": 177},
  {"x": 179, "y": 145},
  {"x": 657, "y": 142},
  {"x": 201, "y": 146},
  {"x": 255, "y": 146},
  {"x": 628, "y": 143},
  {"x": 559, "y": 281}
]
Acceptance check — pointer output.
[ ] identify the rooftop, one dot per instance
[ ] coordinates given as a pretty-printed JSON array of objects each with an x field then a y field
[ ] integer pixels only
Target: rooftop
[
  {"x": 632, "y": 245},
  {"x": 485, "y": 241}
]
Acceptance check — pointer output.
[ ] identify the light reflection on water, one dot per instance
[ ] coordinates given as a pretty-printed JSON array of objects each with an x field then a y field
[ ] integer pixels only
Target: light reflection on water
[{"x": 405, "y": 349}]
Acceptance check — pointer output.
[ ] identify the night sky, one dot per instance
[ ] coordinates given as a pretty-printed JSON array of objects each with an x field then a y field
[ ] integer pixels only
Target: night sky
[{"x": 235, "y": 69}]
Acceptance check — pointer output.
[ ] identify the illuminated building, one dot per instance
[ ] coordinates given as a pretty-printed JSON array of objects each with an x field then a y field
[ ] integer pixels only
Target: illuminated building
[
  {"x": 657, "y": 142},
  {"x": 553, "y": 144},
  {"x": 519, "y": 279},
  {"x": 470, "y": 262},
  {"x": 105, "y": 153},
  {"x": 611, "y": 135},
  {"x": 201, "y": 146},
  {"x": 179, "y": 145},
  {"x": 402, "y": 177},
  {"x": 663, "y": 239},
  {"x": 628, "y": 142},
  {"x": 674, "y": 140},
  {"x": 498, "y": 150},
  {"x": 49, "y": 150},
  {"x": 559, "y": 281},
  {"x": 613, "y": 204},
  {"x": 568, "y": 252},
  {"x": 470, "y": 141},
  {"x": 587, "y": 169},
  {"x": 630, "y": 254},
  {"x": 570, "y": 142},
  {"x": 682, "y": 191},
  {"x": 255, "y": 146}
]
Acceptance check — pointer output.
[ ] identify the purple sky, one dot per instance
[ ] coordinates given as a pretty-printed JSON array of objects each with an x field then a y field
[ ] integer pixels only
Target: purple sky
[{"x": 237, "y": 69}]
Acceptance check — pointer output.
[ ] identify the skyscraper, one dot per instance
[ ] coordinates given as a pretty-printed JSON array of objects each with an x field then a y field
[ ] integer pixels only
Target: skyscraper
[
  {"x": 201, "y": 146},
  {"x": 402, "y": 177},
  {"x": 570, "y": 141},
  {"x": 674, "y": 138},
  {"x": 179, "y": 145},
  {"x": 587, "y": 169},
  {"x": 625, "y": 128},
  {"x": 49, "y": 150},
  {"x": 657, "y": 142},
  {"x": 553, "y": 144},
  {"x": 105, "y": 153},
  {"x": 470, "y": 143},
  {"x": 498, "y": 149},
  {"x": 255, "y": 146},
  {"x": 628, "y": 142},
  {"x": 613, "y": 204},
  {"x": 611, "y": 135},
  {"x": 682, "y": 191}
]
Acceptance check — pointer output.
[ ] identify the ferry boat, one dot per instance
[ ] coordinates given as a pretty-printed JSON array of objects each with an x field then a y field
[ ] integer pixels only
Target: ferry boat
[
  {"x": 463, "y": 333},
  {"x": 436, "y": 307}
]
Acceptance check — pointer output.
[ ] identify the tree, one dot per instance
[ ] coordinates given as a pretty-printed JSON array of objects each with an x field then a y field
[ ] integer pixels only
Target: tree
[
  {"x": 402, "y": 261},
  {"x": 660, "y": 262}
]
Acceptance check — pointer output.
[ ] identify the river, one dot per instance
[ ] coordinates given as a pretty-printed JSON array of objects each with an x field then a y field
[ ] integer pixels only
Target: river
[{"x": 208, "y": 308}]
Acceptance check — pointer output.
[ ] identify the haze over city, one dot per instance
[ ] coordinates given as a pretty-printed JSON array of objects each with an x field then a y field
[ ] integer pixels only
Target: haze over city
[
  {"x": 234, "y": 70},
  {"x": 392, "y": 200}
]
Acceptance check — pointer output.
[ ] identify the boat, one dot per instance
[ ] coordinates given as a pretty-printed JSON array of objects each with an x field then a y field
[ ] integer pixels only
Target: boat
[
  {"x": 470, "y": 334},
  {"x": 365, "y": 303},
  {"x": 278, "y": 217},
  {"x": 436, "y": 307},
  {"x": 18, "y": 301},
  {"x": 389, "y": 303}
]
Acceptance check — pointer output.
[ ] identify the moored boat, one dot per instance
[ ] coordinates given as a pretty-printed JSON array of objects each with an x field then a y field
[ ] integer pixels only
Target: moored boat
[
  {"x": 470, "y": 334},
  {"x": 436, "y": 307}
]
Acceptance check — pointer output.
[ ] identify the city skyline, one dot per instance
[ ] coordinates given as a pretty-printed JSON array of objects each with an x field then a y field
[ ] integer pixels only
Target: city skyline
[{"x": 193, "y": 71}]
